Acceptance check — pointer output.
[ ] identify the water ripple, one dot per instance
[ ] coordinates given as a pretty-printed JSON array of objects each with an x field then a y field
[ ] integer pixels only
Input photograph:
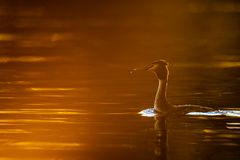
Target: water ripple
[{"x": 39, "y": 145}]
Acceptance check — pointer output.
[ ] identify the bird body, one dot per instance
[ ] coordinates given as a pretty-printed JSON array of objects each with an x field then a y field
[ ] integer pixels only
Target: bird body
[{"x": 186, "y": 109}]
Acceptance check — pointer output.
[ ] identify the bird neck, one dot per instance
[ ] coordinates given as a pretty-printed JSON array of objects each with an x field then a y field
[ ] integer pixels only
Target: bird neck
[{"x": 161, "y": 104}]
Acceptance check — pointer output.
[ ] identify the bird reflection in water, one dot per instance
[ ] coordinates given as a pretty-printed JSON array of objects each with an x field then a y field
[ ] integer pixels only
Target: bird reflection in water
[{"x": 160, "y": 127}]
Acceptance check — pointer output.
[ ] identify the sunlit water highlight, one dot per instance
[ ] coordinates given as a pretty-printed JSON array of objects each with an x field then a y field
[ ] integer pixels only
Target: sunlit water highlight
[{"x": 150, "y": 112}]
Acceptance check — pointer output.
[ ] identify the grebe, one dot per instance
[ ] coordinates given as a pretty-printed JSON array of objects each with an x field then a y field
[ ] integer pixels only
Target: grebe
[{"x": 161, "y": 104}]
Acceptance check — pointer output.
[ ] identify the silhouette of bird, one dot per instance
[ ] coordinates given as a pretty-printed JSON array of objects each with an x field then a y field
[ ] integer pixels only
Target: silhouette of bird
[{"x": 161, "y": 104}]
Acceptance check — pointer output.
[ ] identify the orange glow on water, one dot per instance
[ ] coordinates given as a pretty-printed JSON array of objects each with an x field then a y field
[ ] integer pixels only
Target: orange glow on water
[
  {"x": 44, "y": 111},
  {"x": 6, "y": 37},
  {"x": 22, "y": 59},
  {"x": 223, "y": 64},
  {"x": 66, "y": 92},
  {"x": 46, "y": 145},
  {"x": 51, "y": 89}
]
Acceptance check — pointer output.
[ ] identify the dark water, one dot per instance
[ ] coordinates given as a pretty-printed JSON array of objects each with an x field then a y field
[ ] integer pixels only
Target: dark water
[{"x": 66, "y": 92}]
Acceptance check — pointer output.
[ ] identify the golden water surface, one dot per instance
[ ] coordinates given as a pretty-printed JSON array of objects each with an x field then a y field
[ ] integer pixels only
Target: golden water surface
[{"x": 66, "y": 92}]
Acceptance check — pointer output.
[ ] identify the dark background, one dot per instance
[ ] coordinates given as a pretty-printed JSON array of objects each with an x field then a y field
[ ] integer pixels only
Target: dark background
[{"x": 99, "y": 31}]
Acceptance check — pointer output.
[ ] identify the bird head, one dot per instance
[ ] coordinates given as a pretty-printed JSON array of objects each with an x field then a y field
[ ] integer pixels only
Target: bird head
[{"x": 160, "y": 68}]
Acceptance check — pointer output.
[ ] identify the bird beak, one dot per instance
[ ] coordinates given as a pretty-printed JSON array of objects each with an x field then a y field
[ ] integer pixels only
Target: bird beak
[{"x": 149, "y": 67}]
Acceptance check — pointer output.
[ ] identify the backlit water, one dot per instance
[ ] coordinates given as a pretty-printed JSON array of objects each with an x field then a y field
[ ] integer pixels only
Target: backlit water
[
  {"x": 75, "y": 111},
  {"x": 66, "y": 92}
]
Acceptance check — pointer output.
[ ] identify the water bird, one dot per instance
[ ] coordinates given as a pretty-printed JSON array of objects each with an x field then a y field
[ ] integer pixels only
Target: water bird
[{"x": 161, "y": 104}]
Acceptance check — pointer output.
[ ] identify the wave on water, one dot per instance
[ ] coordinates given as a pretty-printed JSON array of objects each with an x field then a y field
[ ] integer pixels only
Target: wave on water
[
  {"x": 220, "y": 112},
  {"x": 150, "y": 112}
]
